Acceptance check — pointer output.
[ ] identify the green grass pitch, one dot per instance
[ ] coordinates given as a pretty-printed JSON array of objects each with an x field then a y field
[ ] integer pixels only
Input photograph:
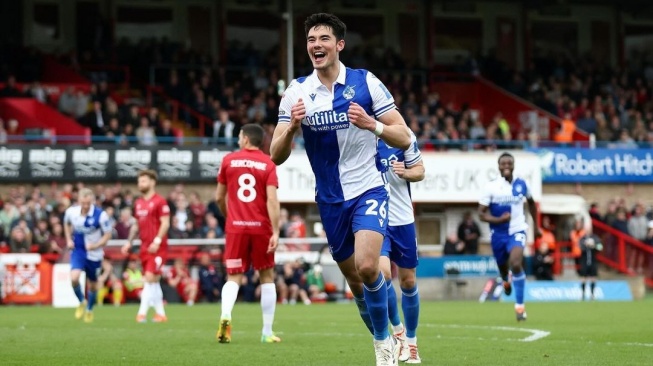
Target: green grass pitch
[{"x": 450, "y": 333}]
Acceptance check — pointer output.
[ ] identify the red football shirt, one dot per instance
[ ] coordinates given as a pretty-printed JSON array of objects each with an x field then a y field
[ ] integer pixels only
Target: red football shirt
[
  {"x": 149, "y": 214},
  {"x": 247, "y": 173}
]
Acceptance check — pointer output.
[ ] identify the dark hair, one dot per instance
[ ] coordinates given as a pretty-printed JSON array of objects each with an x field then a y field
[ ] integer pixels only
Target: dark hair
[
  {"x": 148, "y": 173},
  {"x": 254, "y": 132},
  {"x": 506, "y": 155},
  {"x": 327, "y": 20}
]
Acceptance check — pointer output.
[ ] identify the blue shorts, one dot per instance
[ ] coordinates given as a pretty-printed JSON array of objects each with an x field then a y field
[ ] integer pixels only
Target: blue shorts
[
  {"x": 342, "y": 220},
  {"x": 503, "y": 243},
  {"x": 79, "y": 261},
  {"x": 400, "y": 245}
]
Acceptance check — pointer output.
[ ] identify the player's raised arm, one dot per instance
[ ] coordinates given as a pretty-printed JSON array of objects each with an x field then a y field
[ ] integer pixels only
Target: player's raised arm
[
  {"x": 290, "y": 119},
  {"x": 273, "y": 213},
  {"x": 414, "y": 173},
  {"x": 412, "y": 168}
]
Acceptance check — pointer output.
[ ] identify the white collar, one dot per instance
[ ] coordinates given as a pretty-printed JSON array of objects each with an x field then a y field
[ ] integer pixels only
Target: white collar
[{"x": 342, "y": 77}]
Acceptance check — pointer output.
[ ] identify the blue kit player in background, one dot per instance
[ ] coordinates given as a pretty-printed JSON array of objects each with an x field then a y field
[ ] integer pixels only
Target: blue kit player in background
[
  {"x": 400, "y": 244},
  {"x": 502, "y": 206},
  {"x": 341, "y": 112},
  {"x": 87, "y": 229}
]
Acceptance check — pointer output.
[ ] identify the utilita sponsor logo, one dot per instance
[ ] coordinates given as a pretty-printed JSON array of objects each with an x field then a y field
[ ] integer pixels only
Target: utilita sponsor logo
[
  {"x": 47, "y": 163},
  {"x": 90, "y": 163},
  {"x": 130, "y": 162},
  {"x": 174, "y": 163},
  {"x": 10, "y": 161}
]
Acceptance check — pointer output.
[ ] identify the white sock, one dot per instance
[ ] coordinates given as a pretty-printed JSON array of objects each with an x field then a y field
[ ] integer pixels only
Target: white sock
[
  {"x": 396, "y": 329},
  {"x": 268, "y": 305},
  {"x": 411, "y": 341},
  {"x": 229, "y": 296},
  {"x": 145, "y": 300},
  {"x": 157, "y": 299}
]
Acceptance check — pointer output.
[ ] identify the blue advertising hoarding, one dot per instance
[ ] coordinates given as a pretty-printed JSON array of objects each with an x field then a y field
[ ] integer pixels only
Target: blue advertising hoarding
[
  {"x": 574, "y": 165},
  {"x": 542, "y": 291},
  {"x": 459, "y": 265}
]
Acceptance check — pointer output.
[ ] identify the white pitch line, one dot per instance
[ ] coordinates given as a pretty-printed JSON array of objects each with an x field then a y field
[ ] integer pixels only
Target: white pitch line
[{"x": 535, "y": 334}]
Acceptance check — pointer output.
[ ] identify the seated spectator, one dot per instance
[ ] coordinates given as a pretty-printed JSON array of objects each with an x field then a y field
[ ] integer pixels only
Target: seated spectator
[
  {"x": 124, "y": 224},
  {"x": 315, "y": 283},
  {"x": 180, "y": 279},
  {"x": 250, "y": 287},
  {"x": 543, "y": 263},
  {"x": 224, "y": 129},
  {"x": 8, "y": 214},
  {"x": 621, "y": 221},
  {"x": 197, "y": 209},
  {"x": 469, "y": 232},
  {"x": 133, "y": 117},
  {"x": 58, "y": 241},
  {"x": 594, "y": 211},
  {"x": 293, "y": 273},
  {"x": 164, "y": 133},
  {"x": 211, "y": 279},
  {"x": 453, "y": 245},
  {"x": 296, "y": 229},
  {"x": 36, "y": 91},
  {"x": 191, "y": 232},
  {"x": 145, "y": 133},
  {"x": 175, "y": 232},
  {"x": 113, "y": 129},
  {"x": 212, "y": 226},
  {"x": 41, "y": 236},
  {"x": 95, "y": 120},
  {"x": 132, "y": 279},
  {"x": 10, "y": 90},
  {"x": 109, "y": 284},
  {"x": 18, "y": 241},
  {"x": 68, "y": 102}
]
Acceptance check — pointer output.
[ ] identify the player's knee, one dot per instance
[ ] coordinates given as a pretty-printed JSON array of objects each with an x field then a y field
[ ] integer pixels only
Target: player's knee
[
  {"x": 368, "y": 271},
  {"x": 408, "y": 282}
]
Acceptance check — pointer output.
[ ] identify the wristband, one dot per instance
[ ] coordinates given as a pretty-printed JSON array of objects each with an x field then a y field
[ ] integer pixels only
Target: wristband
[
  {"x": 379, "y": 128},
  {"x": 156, "y": 241}
]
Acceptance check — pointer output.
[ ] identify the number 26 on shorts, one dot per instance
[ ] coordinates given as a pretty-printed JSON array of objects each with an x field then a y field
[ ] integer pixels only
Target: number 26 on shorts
[{"x": 373, "y": 204}]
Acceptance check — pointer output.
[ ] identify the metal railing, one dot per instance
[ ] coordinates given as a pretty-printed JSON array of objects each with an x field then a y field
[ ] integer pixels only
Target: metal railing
[{"x": 426, "y": 145}]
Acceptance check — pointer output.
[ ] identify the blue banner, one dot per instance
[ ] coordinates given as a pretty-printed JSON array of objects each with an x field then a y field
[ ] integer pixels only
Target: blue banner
[
  {"x": 542, "y": 291},
  {"x": 458, "y": 265},
  {"x": 572, "y": 165}
]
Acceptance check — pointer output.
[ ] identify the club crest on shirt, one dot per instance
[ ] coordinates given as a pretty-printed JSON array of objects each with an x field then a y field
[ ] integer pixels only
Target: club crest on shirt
[
  {"x": 349, "y": 92},
  {"x": 518, "y": 189}
]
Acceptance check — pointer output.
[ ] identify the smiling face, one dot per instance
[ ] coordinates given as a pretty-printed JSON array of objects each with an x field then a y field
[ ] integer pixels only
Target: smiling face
[
  {"x": 323, "y": 47},
  {"x": 506, "y": 167}
]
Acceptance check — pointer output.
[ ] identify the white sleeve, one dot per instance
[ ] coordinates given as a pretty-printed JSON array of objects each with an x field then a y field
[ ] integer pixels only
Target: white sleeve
[
  {"x": 528, "y": 190},
  {"x": 287, "y": 101},
  {"x": 412, "y": 155},
  {"x": 382, "y": 100},
  {"x": 486, "y": 196},
  {"x": 105, "y": 224}
]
